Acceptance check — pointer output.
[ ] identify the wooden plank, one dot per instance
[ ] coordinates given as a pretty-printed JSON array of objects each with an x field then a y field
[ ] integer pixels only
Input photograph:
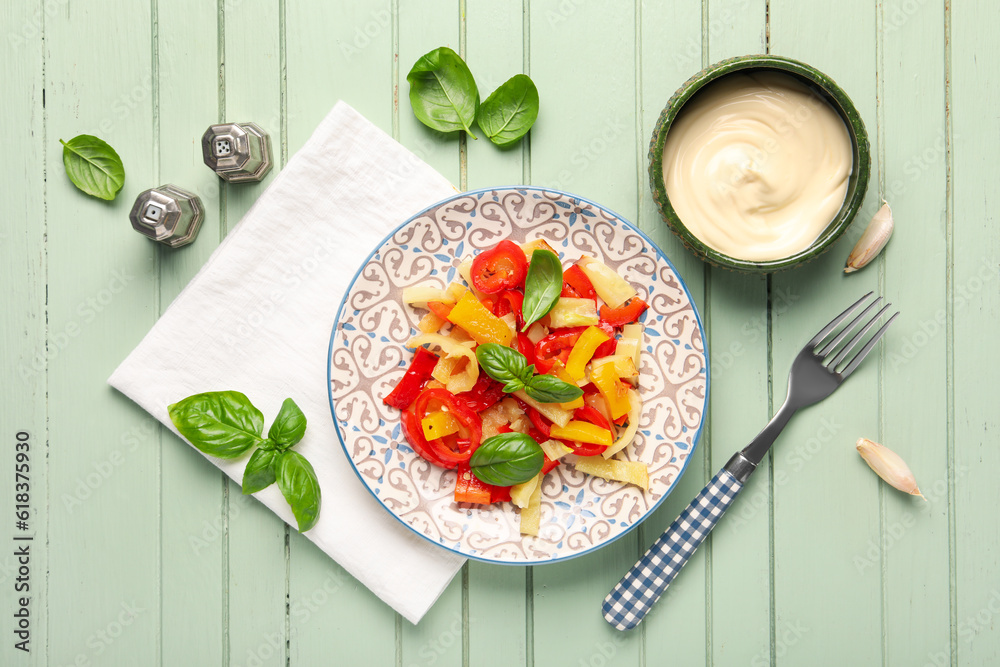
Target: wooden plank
[
  {"x": 914, "y": 546},
  {"x": 257, "y": 559},
  {"x": 422, "y": 27},
  {"x": 104, "y": 566},
  {"x": 828, "y": 496},
  {"x": 497, "y": 604},
  {"x": 336, "y": 51},
  {"x": 974, "y": 305},
  {"x": 582, "y": 58},
  {"x": 23, "y": 411},
  {"x": 670, "y": 52},
  {"x": 192, "y": 531},
  {"x": 740, "y": 601}
]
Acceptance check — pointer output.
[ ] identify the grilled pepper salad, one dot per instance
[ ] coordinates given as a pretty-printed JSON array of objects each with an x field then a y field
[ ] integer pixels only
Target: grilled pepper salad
[{"x": 533, "y": 363}]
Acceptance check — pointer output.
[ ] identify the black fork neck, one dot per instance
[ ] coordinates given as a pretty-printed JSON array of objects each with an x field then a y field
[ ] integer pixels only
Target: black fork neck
[{"x": 744, "y": 462}]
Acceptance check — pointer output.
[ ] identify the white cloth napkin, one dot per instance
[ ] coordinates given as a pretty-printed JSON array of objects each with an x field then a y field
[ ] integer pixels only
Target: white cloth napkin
[{"x": 257, "y": 319}]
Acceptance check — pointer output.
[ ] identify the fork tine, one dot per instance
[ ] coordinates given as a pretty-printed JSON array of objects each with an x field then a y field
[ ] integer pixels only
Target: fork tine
[
  {"x": 857, "y": 339},
  {"x": 837, "y": 320},
  {"x": 832, "y": 345},
  {"x": 866, "y": 349}
]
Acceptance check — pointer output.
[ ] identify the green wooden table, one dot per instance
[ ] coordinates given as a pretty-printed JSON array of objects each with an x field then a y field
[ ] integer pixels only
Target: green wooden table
[{"x": 143, "y": 554}]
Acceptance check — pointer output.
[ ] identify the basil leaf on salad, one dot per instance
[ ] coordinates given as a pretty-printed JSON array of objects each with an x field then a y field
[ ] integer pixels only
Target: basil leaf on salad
[
  {"x": 542, "y": 286},
  {"x": 297, "y": 481},
  {"x": 259, "y": 473},
  {"x": 507, "y": 459},
  {"x": 443, "y": 92},
  {"x": 289, "y": 426},
  {"x": 504, "y": 364},
  {"x": 93, "y": 166},
  {"x": 550, "y": 389},
  {"x": 510, "y": 111},
  {"x": 220, "y": 423}
]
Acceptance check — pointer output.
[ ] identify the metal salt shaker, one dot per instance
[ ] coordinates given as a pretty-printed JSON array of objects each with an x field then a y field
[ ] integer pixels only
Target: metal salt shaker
[
  {"x": 168, "y": 215},
  {"x": 238, "y": 152}
]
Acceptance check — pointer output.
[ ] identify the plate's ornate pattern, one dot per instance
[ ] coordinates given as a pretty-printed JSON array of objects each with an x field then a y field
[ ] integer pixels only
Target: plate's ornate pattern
[{"x": 367, "y": 358}]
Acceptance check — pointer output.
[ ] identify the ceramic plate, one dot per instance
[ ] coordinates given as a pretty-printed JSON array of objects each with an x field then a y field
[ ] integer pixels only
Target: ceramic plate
[{"x": 367, "y": 357}]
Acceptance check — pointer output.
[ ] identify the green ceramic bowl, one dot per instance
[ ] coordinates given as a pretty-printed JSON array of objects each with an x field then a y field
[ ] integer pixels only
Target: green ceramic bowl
[{"x": 856, "y": 187}]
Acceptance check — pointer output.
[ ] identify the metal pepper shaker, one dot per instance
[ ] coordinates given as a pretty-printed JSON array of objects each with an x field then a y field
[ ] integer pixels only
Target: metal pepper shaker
[
  {"x": 168, "y": 215},
  {"x": 238, "y": 152}
]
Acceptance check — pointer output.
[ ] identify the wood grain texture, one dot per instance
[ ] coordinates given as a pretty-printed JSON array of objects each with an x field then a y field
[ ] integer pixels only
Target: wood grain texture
[
  {"x": 23, "y": 301},
  {"x": 146, "y": 555}
]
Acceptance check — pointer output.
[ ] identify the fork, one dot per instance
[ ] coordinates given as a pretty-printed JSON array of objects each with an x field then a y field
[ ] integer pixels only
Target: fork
[{"x": 813, "y": 377}]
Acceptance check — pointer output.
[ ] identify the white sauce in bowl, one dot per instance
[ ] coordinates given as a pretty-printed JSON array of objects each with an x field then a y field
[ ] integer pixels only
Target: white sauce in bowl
[{"x": 756, "y": 165}]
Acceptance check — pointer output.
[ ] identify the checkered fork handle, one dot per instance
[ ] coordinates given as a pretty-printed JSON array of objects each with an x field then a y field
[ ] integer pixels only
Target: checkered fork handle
[{"x": 632, "y": 597}]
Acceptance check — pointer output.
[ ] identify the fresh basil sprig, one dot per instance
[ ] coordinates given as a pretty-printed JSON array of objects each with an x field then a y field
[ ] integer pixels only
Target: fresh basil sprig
[
  {"x": 510, "y": 111},
  {"x": 507, "y": 459},
  {"x": 444, "y": 97},
  {"x": 93, "y": 166},
  {"x": 507, "y": 365},
  {"x": 226, "y": 424},
  {"x": 443, "y": 92},
  {"x": 542, "y": 286}
]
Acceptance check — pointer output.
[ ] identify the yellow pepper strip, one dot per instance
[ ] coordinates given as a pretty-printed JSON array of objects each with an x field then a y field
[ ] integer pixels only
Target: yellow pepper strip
[
  {"x": 615, "y": 393},
  {"x": 561, "y": 373},
  {"x": 583, "y": 351},
  {"x": 481, "y": 324},
  {"x": 450, "y": 347},
  {"x": 582, "y": 432},
  {"x": 625, "y": 437},
  {"x": 624, "y": 367},
  {"x": 531, "y": 516},
  {"x": 630, "y": 472},
  {"x": 439, "y": 424}
]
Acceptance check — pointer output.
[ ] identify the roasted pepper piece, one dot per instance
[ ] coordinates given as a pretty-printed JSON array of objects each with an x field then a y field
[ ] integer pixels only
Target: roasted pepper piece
[
  {"x": 583, "y": 352},
  {"x": 478, "y": 322}
]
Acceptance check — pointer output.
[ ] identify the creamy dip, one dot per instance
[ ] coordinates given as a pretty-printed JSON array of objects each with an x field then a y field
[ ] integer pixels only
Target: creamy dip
[{"x": 756, "y": 165}]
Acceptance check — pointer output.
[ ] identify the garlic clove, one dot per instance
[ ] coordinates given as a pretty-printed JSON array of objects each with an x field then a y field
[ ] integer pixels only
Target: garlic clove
[
  {"x": 888, "y": 465},
  {"x": 872, "y": 241}
]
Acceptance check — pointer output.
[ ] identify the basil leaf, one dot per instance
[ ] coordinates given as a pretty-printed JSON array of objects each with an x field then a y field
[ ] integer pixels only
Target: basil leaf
[
  {"x": 93, "y": 166},
  {"x": 510, "y": 111},
  {"x": 443, "y": 92},
  {"x": 512, "y": 386},
  {"x": 298, "y": 484},
  {"x": 503, "y": 364},
  {"x": 220, "y": 423},
  {"x": 550, "y": 389},
  {"x": 507, "y": 459},
  {"x": 259, "y": 473},
  {"x": 289, "y": 426},
  {"x": 542, "y": 286}
]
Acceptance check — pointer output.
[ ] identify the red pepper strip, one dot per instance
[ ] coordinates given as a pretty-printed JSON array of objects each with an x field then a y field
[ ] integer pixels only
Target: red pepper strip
[
  {"x": 500, "y": 268},
  {"x": 624, "y": 314},
  {"x": 415, "y": 436},
  {"x": 526, "y": 347},
  {"x": 438, "y": 448},
  {"x": 558, "y": 344},
  {"x": 609, "y": 346},
  {"x": 568, "y": 291},
  {"x": 539, "y": 423},
  {"x": 575, "y": 278},
  {"x": 590, "y": 414},
  {"x": 471, "y": 489},
  {"x": 413, "y": 381},
  {"x": 483, "y": 394},
  {"x": 555, "y": 347},
  {"x": 548, "y": 465},
  {"x": 499, "y": 494},
  {"x": 510, "y": 301},
  {"x": 440, "y": 309}
]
